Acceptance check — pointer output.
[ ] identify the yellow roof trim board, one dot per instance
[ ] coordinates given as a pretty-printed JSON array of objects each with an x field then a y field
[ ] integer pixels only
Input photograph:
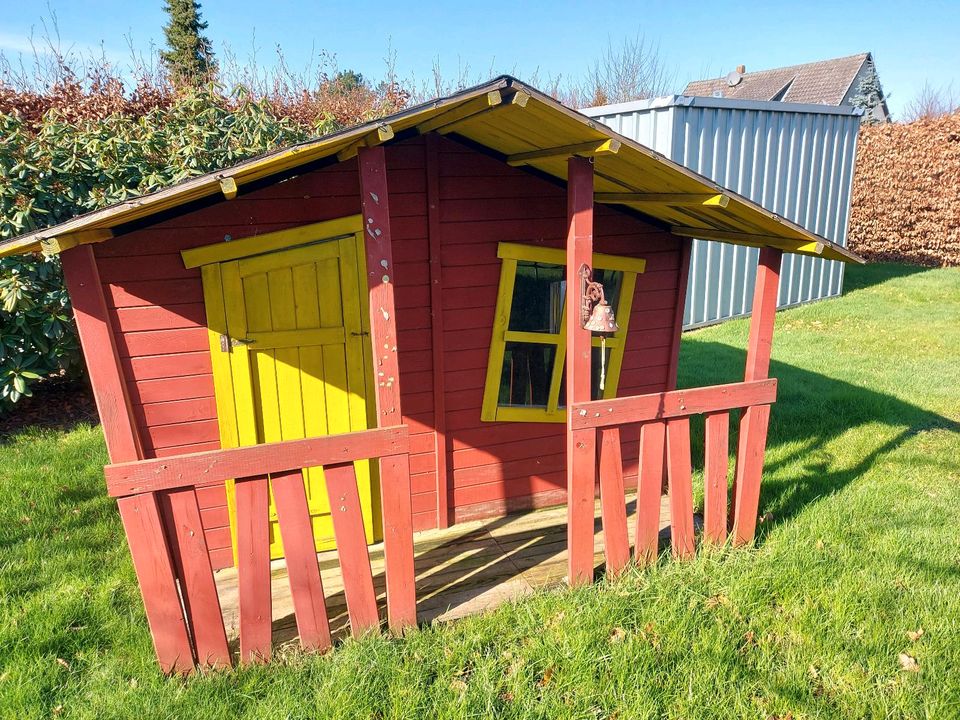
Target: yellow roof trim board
[{"x": 513, "y": 121}]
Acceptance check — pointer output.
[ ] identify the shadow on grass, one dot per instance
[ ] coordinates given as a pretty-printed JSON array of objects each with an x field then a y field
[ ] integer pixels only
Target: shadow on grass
[
  {"x": 860, "y": 278},
  {"x": 811, "y": 410}
]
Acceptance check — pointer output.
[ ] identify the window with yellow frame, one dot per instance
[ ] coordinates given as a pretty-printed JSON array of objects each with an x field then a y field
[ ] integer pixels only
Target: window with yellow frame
[{"x": 525, "y": 371}]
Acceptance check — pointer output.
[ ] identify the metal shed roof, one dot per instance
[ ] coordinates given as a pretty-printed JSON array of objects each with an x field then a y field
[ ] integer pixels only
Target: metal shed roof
[{"x": 525, "y": 128}]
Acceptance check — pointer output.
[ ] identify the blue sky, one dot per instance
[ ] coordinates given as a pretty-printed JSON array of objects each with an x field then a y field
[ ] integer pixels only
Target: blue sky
[{"x": 912, "y": 42}]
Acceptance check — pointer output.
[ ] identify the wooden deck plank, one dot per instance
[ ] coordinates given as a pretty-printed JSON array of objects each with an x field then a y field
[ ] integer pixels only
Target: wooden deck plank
[{"x": 461, "y": 570}]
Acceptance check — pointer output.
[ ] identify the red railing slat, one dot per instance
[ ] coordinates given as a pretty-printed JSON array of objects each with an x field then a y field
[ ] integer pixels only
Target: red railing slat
[
  {"x": 752, "y": 444},
  {"x": 680, "y": 487},
  {"x": 715, "y": 477},
  {"x": 299, "y": 547},
  {"x": 341, "y": 480},
  {"x": 253, "y": 569},
  {"x": 648, "y": 491},
  {"x": 154, "y": 566},
  {"x": 613, "y": 508},
  {"x": 198, "y": 586}
]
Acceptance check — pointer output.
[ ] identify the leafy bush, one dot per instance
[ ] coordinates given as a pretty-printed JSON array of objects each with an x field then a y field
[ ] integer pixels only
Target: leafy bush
[{"x": 54, "y": 170}]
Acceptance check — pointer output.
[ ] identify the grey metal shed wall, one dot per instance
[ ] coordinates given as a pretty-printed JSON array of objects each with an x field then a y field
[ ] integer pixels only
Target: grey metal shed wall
[{"x": 796, "y": 160}]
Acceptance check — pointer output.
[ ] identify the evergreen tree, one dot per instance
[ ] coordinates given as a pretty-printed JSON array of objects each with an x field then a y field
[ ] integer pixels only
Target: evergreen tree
[
  {"x": 189, "y": 57},
  {"x": 869, "y": 94}
]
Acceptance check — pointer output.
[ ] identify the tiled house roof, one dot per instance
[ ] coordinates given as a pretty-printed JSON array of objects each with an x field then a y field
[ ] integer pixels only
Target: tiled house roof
[{"x": 824, "y": 83}]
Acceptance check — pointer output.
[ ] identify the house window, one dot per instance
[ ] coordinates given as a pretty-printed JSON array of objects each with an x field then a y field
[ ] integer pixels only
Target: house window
[{"x": 525, "y": 371}]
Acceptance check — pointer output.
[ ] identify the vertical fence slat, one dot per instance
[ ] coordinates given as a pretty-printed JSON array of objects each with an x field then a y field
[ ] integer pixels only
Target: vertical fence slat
[
  {"x": 197, "y": 584},
  {"x": 613, "y": 508},
  {"x": 750, "y": 452},
  {"x": 648, "y": 491},
  {"x": 299, "y": 547},
  {"x": 680, "y": 487},
  {"x": 155, "y": 574},
  {"x": 715, "y": 477},
  {"x": 253, "y": 568},
  {"x": 341, "y": 483}
]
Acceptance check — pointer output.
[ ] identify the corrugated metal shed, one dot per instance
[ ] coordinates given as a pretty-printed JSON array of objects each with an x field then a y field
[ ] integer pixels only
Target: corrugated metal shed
[{"x": 794, "y": 159}]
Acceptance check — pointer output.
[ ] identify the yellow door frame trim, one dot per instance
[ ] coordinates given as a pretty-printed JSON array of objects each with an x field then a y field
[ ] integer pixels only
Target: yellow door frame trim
[{"x": 269, "y": 242}]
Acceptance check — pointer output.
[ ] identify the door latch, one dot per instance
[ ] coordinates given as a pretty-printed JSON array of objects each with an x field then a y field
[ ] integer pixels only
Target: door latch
[{"x": 227, "y": 342}]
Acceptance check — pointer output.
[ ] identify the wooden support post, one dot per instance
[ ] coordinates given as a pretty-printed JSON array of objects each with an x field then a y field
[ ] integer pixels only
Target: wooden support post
[
  {"x": 613, "y": 508},
  {"x": 432, "y": 141},
  {"x": 753, "y": 424},
  {"x": 141, "y": 516},
  {"x": 100, "y": 351},
  {"x": 581, "y": 444},
  {"x": 394, "y": 471}
]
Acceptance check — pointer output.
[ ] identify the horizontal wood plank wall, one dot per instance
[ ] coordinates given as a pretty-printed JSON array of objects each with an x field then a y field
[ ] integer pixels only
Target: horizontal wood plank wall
[
  {"x": 156, "y": 305},
  {"x": 502, "y": 467}
]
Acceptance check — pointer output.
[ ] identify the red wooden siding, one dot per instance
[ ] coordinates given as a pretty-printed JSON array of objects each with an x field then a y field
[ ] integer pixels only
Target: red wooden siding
[
  {"x": 156, "y": 307},
  {"x": 499, "y": 467}
]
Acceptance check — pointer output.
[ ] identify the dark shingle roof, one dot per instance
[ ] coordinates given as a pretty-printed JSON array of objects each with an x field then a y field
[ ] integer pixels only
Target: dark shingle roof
[{"x": 823, "y": 83}]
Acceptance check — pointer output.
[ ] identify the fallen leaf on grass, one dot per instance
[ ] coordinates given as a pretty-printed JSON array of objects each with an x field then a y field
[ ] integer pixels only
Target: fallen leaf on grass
[
  {"x": 58, "y": 710},
  {"x": 547, "y": 676},
  {"x": 908, "y": 662},
  {"x": 715, "y": 600},
  {"x": 618, "y": 634},
  {"x": 506, "y": 697},
  {"x": 766, "y": 517},
  {"x": 458, "y": 686},
  {"x": 915, "y": 635}
]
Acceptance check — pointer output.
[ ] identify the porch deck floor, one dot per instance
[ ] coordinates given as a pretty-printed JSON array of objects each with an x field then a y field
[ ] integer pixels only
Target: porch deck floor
[{"x": 462, "y": 570}]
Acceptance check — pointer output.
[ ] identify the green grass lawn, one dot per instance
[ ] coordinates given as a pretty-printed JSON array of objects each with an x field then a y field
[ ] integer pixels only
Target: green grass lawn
[{"x": 861, "y": 547}]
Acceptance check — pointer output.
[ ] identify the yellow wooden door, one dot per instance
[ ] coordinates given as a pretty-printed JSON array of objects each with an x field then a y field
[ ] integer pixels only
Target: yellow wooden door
[{"x": 294, "y": 324}]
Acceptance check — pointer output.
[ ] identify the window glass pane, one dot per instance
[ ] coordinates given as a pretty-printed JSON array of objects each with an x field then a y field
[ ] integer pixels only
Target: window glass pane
[
  {"x": 538, "y": 291},
  {"x": 525, "y": 379},
  {"x": 595, "y": 392}
]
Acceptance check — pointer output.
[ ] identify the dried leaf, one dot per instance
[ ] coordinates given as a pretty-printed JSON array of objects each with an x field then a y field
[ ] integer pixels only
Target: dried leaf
[
  {"x": 506, "y": 697},
  {"x": 63, "y": 663},
  {"x": 547, "y": 676},
  {"x": 908, "y": 662},
  {"x": 458, "y": 686},
  {"x": 617, "y": 635},
  {"x": 766, "y": 517},
  {"x": 915, "y": 635},
  {"x": 715, "y": 600}
]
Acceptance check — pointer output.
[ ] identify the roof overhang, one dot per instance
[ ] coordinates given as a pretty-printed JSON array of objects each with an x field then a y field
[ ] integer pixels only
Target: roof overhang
[{"x": 513, "y": 121}]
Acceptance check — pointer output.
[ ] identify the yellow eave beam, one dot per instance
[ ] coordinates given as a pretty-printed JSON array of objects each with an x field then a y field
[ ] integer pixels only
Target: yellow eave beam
[
  {"x": 58, "y": 243},
  {"x": 383, "y": 133},
  {"x": 719, "y": 200},
  {"x": 800, "y": 246},
  {"x": 228, "y": 186},
  {"x": 595, "y": 147}
]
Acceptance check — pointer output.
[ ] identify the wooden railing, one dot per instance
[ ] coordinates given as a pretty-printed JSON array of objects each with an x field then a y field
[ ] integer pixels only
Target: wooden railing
[
  {"x": 664, "y": 420},
  {"x": 194, "y": 632}
]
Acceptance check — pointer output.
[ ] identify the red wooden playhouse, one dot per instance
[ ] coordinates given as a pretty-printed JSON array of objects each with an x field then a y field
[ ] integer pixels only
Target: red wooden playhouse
[{"x": 465, "y": 310}]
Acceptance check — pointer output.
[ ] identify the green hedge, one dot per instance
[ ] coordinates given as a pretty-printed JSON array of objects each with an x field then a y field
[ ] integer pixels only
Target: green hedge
[{"x": 54, "y": 171}]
